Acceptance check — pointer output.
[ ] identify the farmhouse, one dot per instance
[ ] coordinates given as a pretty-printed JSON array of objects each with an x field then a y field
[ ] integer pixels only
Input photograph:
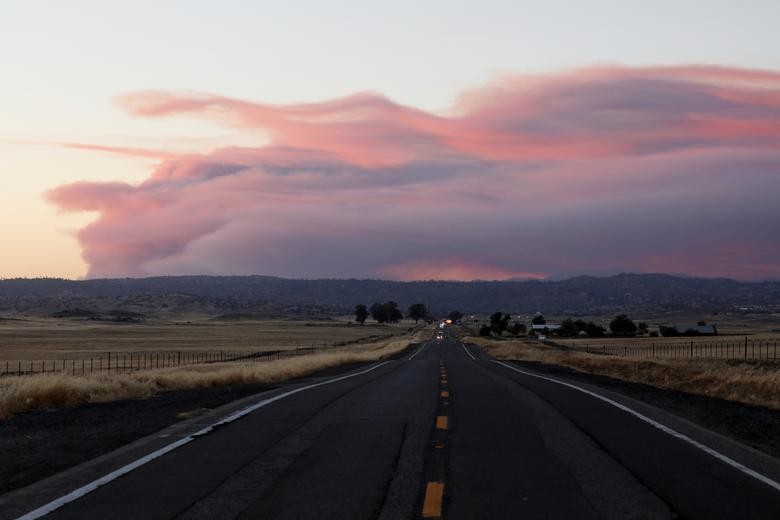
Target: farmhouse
[{"x": 697, "y": 330}]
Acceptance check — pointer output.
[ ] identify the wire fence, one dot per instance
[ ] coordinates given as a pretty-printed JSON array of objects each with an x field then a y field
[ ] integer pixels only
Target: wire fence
[
  {"x": 724, "y": 349},
  {"x": 126, "y": 362}
]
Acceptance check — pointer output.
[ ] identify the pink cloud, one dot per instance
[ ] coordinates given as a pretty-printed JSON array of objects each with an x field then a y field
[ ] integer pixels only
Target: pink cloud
[
  {"x": 598, "y": 170},
  {"x": 122, "y": 150}
]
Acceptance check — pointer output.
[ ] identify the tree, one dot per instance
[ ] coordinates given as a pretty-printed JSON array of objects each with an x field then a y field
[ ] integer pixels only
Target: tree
[
  {"x": 594, "y": 330},
  {"x": 580, "y": 325},
  {"x": 386, "y": 312},
  {"x": 484, "y": 330},
  {"x": 667, "y": 331},
  {"x": 417, "y": 311},
  {"x": 539, "y": 320},
  {"x": 622, "y": 326},
  {"x": 455, "y": 315},
  {"x": 393, "y": 314},
  {"x": 517, "y": 329},
  {"x": 377, "y": 313},
  {"x": 361, "y": 313},
  {"x": 499, "y": 322},
  {"x": 568, "y": 328}
]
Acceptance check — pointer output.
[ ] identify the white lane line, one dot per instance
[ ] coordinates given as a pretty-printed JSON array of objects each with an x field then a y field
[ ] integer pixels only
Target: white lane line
[
  {"x": 674, "y": 433},
  {"x": 467, "y": 351},
  {"x": 105, "y": 479},
  {"x": 418, "y": 351}
]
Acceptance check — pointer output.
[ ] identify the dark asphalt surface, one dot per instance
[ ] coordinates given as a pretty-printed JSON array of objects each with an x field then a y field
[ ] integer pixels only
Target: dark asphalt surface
[{"x": 503, "y": 444}]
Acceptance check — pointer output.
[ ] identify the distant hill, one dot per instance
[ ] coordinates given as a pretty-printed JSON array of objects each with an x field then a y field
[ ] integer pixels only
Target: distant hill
[{"x": 266, "y": 295}]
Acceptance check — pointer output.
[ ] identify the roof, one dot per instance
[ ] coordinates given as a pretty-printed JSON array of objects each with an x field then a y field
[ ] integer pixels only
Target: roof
[
  {"x": 701, "y": 329},
  {"x": 549, "y": 326}
]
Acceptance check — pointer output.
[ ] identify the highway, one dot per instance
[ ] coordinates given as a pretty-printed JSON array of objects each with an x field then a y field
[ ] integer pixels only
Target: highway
[{"x": 444, "y": 432}]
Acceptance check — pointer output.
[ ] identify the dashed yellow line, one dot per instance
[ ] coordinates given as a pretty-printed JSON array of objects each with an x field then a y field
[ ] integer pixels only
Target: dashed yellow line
[
  {"x": 434, "y": 493},
  {"x": 442, "y": 422}
]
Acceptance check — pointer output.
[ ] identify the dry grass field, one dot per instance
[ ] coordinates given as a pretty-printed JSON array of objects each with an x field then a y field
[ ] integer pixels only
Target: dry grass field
[
  {"x": 47, "y": 338},
  {"x": 751, "y": 382},
  {"x": 23, "y": 393}
]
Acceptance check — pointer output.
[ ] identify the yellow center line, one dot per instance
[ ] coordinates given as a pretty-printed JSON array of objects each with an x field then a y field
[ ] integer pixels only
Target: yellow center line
[
  {"x": 441, "y": 422},
  {"x": 434, "y": 493}
]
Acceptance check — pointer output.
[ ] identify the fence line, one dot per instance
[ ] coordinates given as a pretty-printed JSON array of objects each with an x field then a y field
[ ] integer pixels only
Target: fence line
[
  {"x": 126, "y": 362},
  {"x": 746, "y": 348}
]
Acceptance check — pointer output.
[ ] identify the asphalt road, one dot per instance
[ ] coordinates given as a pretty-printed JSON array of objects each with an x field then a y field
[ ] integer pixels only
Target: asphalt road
[{"x": 444, "y": 432}]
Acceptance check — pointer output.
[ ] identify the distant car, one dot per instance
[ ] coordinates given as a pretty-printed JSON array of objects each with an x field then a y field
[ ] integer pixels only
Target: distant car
[
  {"x": 541, "y": 337},
  {"x": 439, "y": 336}
]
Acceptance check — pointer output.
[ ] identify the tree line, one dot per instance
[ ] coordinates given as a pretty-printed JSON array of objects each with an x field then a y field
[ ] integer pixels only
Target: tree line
[
  {"x": 621, "y": 325},
  {"x": 389, "y": 312}
]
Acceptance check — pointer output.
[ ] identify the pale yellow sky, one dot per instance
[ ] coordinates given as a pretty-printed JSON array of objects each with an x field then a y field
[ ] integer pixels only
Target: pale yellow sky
[{"x": 38, "y": 240}]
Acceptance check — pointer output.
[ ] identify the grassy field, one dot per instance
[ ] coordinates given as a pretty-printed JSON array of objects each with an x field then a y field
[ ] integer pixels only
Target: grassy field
[
  {"x": 23, "y": 393},
  {"x": 752, "y": 381},
  {"x": 44, "y": 338}
]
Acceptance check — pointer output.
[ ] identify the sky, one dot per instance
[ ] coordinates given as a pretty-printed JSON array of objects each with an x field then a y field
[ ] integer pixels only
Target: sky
[{"x": 402, "y": 140}]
